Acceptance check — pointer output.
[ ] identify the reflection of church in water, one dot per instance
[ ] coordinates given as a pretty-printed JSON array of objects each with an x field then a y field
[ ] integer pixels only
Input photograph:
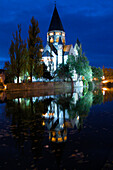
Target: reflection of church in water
[{"x": 57, "y": 118}]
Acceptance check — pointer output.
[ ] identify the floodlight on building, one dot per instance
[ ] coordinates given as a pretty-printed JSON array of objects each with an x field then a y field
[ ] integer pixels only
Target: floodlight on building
[{"x": 5, "y": 86}]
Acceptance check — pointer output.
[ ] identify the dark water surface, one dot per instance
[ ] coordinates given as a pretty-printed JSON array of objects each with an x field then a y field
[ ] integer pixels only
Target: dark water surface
[{"x": 65, "y": 131}]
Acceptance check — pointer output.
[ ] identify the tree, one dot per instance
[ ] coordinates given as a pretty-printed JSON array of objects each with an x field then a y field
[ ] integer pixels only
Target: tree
[
  {"x": 81, "y": 65},
  {"x": 9, "y": 75},
  {"x": 34, "y": 45},
  {"x": 97, "y": 73},
  {"x": 63, "y": 71},
  {"x": 46, "y": 73},
  {"x": 16, "y": 51}
]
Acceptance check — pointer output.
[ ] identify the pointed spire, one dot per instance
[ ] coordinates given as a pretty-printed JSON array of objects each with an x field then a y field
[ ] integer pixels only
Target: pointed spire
[
  {"x": 56, "y": 23},
  {"x": 78, "y": 42},
  {"x": 55, "y": 3}
]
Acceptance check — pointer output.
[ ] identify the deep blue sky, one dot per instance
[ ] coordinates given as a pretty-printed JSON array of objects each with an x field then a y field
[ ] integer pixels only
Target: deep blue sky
[{"x": 91, "y": 21}]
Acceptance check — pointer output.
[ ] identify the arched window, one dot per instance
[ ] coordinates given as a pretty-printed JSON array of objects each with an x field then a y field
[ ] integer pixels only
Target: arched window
[
  {"x": 51, "y": 40},
  {"x": 57, "y": 39}
]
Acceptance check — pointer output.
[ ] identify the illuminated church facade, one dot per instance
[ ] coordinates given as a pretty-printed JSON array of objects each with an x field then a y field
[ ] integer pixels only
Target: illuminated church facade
[{"x": 56, "y": 51}]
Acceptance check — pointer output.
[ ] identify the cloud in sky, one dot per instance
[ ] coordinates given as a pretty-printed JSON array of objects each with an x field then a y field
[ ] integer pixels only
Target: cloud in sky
[{"x": 89, "y": 20}]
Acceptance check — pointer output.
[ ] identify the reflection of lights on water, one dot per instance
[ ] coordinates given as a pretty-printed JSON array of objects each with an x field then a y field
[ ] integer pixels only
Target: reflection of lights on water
[
  {"x": 62, "y": 126},
  {"x": 51, "y": 114},
  {"x": 29, "y": 78},
  {"x": 78, "y": 117},
  {"x": 103, "y": 77},
  {"x": 105, "y": 89},
  {"x": 105, "y": 81},
  {"x": 103, "y": 93},
  {"x": 43, "y": 123},
  {"x": 60, "y": 139},
  {"x": 53, "y": 139},
  {"x": 65, "y": 138},
  {"x": 44, "y": 115}
]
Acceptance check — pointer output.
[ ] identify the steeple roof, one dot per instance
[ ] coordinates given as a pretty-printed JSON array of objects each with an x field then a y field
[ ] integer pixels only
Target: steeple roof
[{"x": 56, "y": 23}]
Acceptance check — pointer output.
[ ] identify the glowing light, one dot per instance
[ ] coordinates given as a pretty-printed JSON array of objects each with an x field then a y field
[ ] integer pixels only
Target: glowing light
[
  {"x": 58, "y": 33},
  {"x": 105, "y": 81},
  {"x": 63, "y": 34},
  {"x": 63, "y": 40},
  {"x": 65, "y": 138},
  {"x": 29, "y": 78},
  {"x": 43, "y": 123},
  {"x": 105, "y": 89},
  {"x": 60, "y": 139},
  {"x": 51, "y": 33},
  {"x": 103, "y": 77},
  {"x": 57, "y": 40},
  {"x": 5, "y": 86},
  {"x": 78, "y": 117},
  {"x": 51, "y": 114},
  {"x": 44, "y": 115},
  {"x": 53, "y": 139},
  {"x": 103, "y": 93},
  {"x": 41, "y": 50},
  {"x": 51, "y": 40},
  {"x": 53, "y": 133}
]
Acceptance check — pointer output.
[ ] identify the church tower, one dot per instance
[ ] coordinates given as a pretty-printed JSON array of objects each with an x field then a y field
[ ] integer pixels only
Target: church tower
[{"x": 56, "y": 30}]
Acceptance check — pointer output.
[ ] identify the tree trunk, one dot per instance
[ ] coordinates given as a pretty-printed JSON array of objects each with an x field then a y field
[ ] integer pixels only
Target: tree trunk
[
  {"x": 18, "y": 79},
  {"x": 31, "y": 74}
]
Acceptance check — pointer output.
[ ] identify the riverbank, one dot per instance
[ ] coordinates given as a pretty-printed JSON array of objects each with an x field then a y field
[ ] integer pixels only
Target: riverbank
[{"x": 42, "y": 86}]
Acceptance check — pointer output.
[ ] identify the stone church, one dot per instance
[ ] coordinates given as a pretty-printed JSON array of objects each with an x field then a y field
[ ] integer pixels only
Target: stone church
[{"x": 56, "y": 51}]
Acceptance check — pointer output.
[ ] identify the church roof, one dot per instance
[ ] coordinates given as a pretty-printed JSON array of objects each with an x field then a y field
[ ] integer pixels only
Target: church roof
[
  {"x": 78, "y": 42},
  {"x": 56, "y": 23},
  {"x": 67, "y": 48},
  {"x": 46, "y": 54}
]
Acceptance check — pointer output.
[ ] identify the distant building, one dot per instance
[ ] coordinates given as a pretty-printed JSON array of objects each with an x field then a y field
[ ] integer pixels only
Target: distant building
[
  {"x": 2, "y": 75},
  {"x": 56, "y": 51}
]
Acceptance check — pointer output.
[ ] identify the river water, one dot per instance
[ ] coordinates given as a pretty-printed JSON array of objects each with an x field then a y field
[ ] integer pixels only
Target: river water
[{"x": 71, "y": 130}]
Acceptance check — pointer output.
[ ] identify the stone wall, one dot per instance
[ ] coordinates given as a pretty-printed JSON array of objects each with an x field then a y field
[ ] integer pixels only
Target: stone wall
[{"x": 38, "y": 85}]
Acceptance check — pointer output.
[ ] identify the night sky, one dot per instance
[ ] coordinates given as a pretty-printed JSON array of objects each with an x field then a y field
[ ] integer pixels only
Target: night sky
[{"x": 91, "y": 21}]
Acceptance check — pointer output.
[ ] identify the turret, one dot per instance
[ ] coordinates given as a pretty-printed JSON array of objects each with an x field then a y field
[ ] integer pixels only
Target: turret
[{"x": 56, "y": 30}]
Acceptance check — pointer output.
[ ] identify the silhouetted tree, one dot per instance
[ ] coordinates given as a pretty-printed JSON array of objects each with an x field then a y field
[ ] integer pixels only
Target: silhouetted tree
[
  {"x": 34, "y": 46},
  {"x": 63, "y": 71},
  {"x": 46, "y": 73},
  {"x": 16, "y": 51}
]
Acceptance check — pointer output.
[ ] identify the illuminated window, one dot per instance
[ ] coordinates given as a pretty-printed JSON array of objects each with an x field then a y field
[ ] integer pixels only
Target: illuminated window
[
  {"x": 58, "y": 33},
  {"x": 63, "y": 40},
  {"x": 51, "y": 33},
  {"x": 57, "y": 39},
  {"x": 51, "y": 40},
  {"x": 63, "y": 34}
]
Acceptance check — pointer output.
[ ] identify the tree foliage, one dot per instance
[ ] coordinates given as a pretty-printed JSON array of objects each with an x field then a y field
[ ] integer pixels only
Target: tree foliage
[
  {"x": 97, "y": 73},
  {"x": 63, "y": 71},
  {"x": 17, "y": 53},
  {"x": 108, "y": 73},
  {"x": 34, "y": 46},
  {"x": 46, "y": 73},
  {"x": 81, "y": 65}
]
